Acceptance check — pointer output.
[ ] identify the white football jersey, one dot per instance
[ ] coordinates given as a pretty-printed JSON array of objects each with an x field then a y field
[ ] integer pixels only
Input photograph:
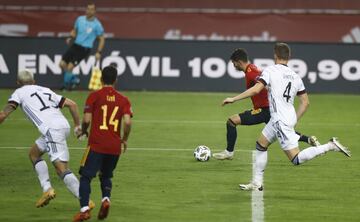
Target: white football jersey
[
  {"x": 283, "y": 85},
  {"x": 41, "y": 106}
]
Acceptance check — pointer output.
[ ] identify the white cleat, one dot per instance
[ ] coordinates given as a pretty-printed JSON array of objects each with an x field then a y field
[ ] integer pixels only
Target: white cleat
[
  {"x": 224, "y": 155},
  {"x": 251, "y": 186},
  {"x": 313, "y": 141},
  {"x": 339, "y": 147}
]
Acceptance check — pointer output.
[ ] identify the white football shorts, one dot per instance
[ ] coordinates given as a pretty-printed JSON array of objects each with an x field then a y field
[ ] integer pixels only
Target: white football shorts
[
  {"x": 286, "y": 135},
  {"x": 54, "y": 144}
]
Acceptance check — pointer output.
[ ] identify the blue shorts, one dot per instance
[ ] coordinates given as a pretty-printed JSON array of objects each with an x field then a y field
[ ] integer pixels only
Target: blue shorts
[{"x": 93, "y": 162}]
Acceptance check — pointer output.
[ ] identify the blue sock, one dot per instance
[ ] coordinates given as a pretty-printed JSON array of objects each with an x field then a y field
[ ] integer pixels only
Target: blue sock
[
  {"x": 75, "y": 80},
  {"x": 84, "y": 191},
  {"x": 67, "y": 78},
  {"x": 106, "y": 186}
]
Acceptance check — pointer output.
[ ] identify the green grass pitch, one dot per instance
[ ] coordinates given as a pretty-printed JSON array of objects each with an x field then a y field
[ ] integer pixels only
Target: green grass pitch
[{"x": 158, "y": 180}]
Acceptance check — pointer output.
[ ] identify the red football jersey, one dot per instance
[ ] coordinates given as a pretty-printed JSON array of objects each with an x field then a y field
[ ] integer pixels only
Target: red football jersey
[
  {"x": 252, "y": 74},
  {"x": 107, "y": 107}
]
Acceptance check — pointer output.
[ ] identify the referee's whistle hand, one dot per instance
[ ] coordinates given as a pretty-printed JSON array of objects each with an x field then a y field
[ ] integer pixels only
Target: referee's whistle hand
[{"x": 68, "y": 41}]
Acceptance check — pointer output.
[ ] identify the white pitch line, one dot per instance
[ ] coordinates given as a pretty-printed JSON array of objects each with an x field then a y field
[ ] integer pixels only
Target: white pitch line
[{"x": 257, "y": 199}]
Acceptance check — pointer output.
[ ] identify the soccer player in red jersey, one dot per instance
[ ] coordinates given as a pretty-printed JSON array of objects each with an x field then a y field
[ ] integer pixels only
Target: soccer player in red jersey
[
  {"x": 260, "y": 112},
  {"x": 107, "y": 111}
]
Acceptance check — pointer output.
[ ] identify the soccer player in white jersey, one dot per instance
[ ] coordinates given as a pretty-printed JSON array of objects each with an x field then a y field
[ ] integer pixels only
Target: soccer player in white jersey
[
  {"x": 42, "y": 107},
  {"x": 283, "y": 85}
]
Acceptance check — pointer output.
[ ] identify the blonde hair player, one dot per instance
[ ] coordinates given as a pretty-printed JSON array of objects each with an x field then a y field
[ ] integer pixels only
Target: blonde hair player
[
  {"x": 283, "y": 85},
  {"x": 42, "y": 107}
]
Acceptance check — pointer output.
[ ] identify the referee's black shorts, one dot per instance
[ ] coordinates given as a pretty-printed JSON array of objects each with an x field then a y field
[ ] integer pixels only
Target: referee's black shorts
[
  {"x": 75, "y": 54},
  {"x": 255, "y": 116}
]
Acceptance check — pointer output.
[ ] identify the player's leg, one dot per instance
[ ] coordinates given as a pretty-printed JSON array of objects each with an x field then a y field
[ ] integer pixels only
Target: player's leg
[
  {"x": 231, "y": 133},
  {"x": 260, "y": 165},
  {"x": 71, "y": 181},
  {"x": 59, "y": 155},
  {"x": 67, "y": 176},
  {"x": 89, "y": 166},
  {"x": 311, "y": 140},
  {"x": 40, "y": 167},
  {"x": 106, "y": 173},
  {"x": 249, "y": 117},
  {"x": 298, "y": 157},
  {"x": 42, "y": 171},
  {"x": 266, "y": 137},
  {"x": 288, "y": 140},
  {"x": 231, "y": 136}
]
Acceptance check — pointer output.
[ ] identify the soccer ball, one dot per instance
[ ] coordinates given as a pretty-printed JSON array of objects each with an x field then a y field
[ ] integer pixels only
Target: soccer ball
[{"x": 202, "y": 153}]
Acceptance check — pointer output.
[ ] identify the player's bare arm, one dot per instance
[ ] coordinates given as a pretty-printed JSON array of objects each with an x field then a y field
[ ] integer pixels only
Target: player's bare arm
[
  {"x": 8, "y": 109},
  {"x": 126, "y": 131},
  {"x": 256, "y": 89},
  {"x": 74, "y": 111},
  {"x": 303, "y": 105},
  {"x": 85, "y": 125},
  {"x": 101, "y": 45}
]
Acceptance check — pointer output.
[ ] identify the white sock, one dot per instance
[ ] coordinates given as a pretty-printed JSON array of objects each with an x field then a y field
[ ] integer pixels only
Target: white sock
[
  {"x": 72, "y": 183},
  {"x": 83, "y": 209},
  {"x": 228, "y": 152},
  {"x": 260, "y": 165},
  {"x": 42, "y": 171},
  {"x": 312, "y": 152},
  {"x": 105, "y": 198}
]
